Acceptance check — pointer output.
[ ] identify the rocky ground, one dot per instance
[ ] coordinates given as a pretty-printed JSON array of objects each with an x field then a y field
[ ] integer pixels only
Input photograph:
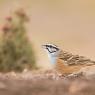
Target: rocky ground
[{"x": 47, "y": 83}]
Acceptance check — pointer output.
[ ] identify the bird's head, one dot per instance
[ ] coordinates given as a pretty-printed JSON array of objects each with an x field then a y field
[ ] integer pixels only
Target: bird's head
[{"x": 52, "y": 50}]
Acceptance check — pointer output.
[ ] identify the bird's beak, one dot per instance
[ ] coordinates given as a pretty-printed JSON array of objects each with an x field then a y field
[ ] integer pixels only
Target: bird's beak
[{"x": 44, "y": 46}]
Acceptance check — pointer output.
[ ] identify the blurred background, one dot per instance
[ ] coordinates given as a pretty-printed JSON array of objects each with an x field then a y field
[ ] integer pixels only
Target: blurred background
[{"x": 70, "y": 24}]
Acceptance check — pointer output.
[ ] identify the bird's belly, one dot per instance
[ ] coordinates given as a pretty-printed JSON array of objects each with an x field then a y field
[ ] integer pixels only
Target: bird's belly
[{"x": 67, "y": 69}]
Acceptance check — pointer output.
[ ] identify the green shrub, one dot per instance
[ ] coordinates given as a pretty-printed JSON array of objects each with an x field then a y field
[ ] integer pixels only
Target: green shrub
[{"x": 16, "y": 52}]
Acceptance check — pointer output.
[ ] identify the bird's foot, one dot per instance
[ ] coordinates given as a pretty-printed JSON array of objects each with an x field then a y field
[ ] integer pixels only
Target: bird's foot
[{"x": 75, "y": 75}]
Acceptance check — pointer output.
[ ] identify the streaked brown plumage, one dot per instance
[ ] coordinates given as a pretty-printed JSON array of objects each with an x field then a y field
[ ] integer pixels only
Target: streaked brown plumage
[
  {"x": 68, "y": 69},
  {"x": 65, "y": 62}
]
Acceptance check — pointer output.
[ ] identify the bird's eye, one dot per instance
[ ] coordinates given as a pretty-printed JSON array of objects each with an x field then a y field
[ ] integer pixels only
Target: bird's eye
[
  {"x": 47, "y": 46},
  {"x": 50, "y": 46}
]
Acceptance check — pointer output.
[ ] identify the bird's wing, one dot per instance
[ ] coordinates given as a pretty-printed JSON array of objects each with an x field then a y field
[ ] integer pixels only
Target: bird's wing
[
  {"x": 70, "y": 59},
  {"x": 79, "y": 60}
]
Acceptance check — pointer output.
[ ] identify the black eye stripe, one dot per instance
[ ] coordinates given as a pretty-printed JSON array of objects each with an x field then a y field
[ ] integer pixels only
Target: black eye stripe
[
  {"x": 53, "y": 47},
  {"x": 50, "y": 46}
]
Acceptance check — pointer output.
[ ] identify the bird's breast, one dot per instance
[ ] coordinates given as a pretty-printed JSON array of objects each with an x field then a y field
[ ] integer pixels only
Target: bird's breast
[{"x": 66, "y": 69}]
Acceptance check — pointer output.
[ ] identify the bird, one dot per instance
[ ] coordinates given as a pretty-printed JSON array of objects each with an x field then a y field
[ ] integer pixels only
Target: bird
[{"x": 64, "y": 62}]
